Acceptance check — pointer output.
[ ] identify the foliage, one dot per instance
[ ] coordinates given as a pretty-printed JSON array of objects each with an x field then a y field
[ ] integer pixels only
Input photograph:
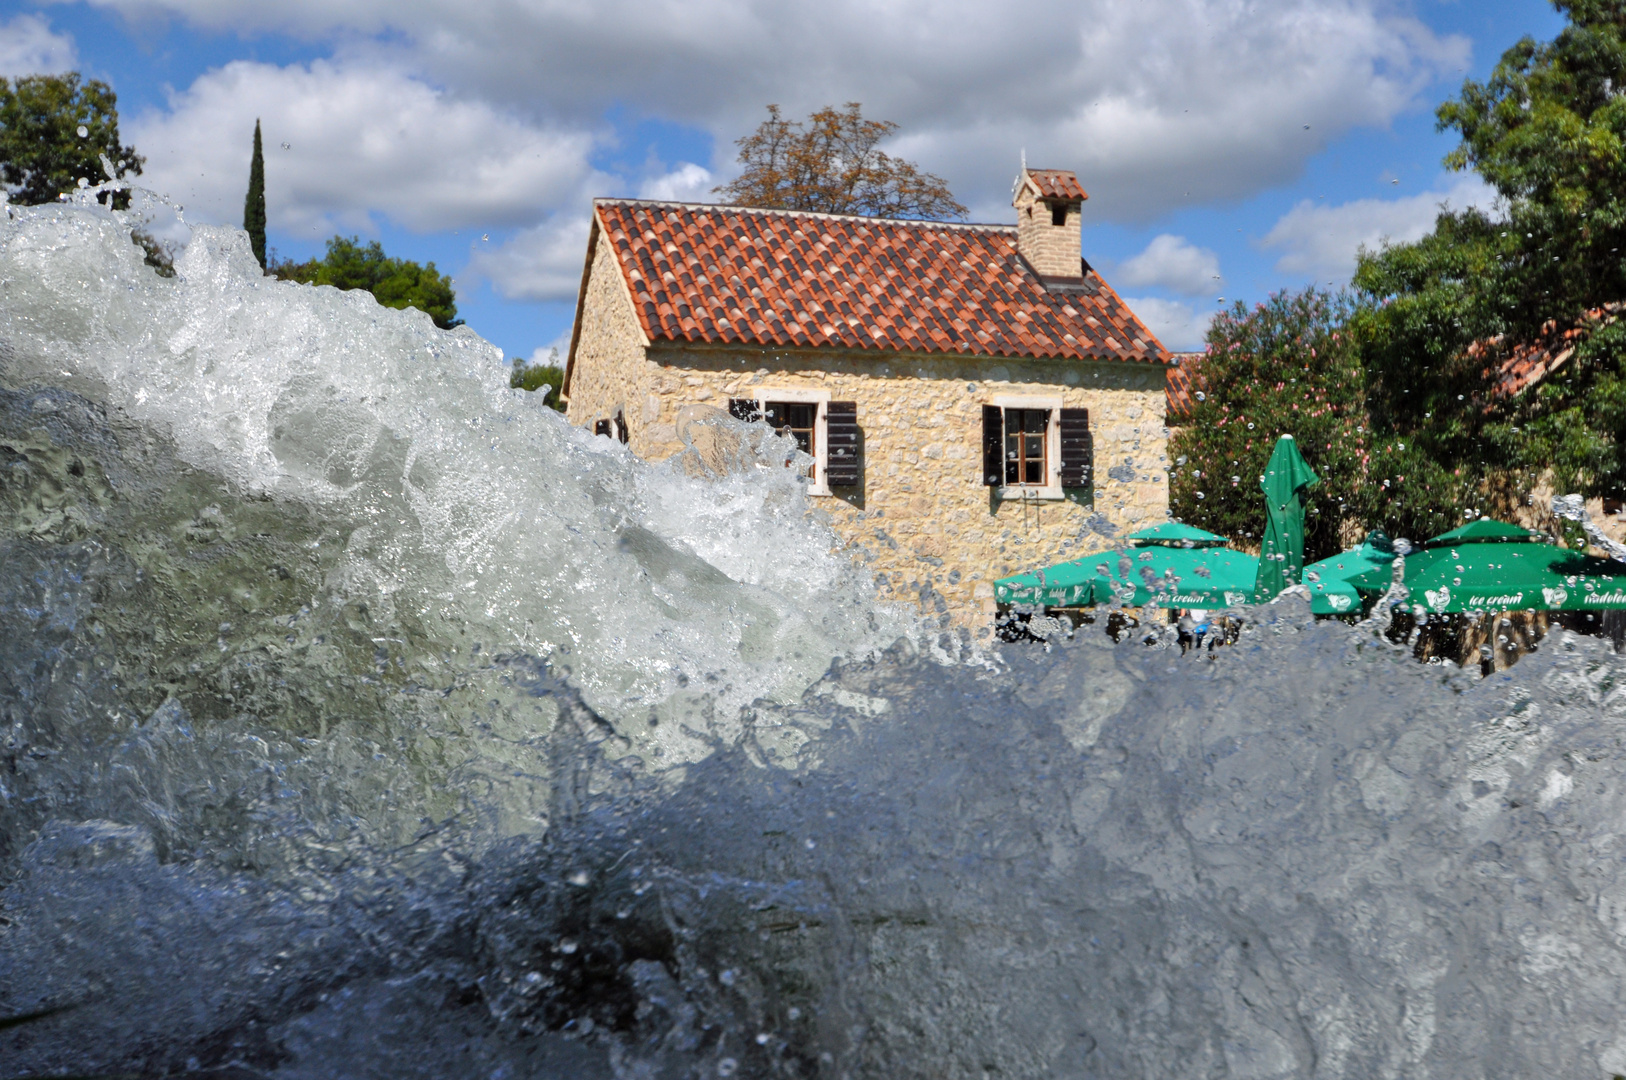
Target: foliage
[
  {"x": 43, "y": 154},
  {"x": 829, "y": 164},
  {"x": 155, "y": 253},
  {"x": 1548, "y": 131},
  {"x": 533, "y": 377},
  {"x": 254, "y": 203},
  {"x": 1291, "y": 367},
  {"x": 395, "y": 283}
]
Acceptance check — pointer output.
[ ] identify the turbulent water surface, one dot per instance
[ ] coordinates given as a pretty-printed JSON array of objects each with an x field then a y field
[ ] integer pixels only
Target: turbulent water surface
[{"x": 361, "y": 719}]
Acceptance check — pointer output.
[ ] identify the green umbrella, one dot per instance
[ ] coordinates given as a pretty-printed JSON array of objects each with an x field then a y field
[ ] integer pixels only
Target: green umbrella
[
  {"x": 1287, "y": 477},
  {"x": 1493, "y": 566},
  {"x": 1486, "y": 565},
  {"x": 1332, "y": 581},
  {"x": 1171, "y": 565}
]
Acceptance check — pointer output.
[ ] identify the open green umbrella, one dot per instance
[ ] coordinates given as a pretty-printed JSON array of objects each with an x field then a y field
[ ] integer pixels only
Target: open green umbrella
[
  {"x": 1281, "y": 557},
  {"x": 1332, "y": 581},
  {"x": 1171, "y": 565},
  {"x": 1490, "y": 565},
  {"x": 1486, "y": 565}
]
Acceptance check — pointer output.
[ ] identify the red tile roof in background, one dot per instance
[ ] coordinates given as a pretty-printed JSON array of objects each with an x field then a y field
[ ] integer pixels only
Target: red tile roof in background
[
  {"x": 1522, "y": 366},
  {"x": 1057, "y": 184},
  {"x": 738, "y": 276},
  {"x": 1180, "y": 383},
  {"x": 1515, "y": 368}
]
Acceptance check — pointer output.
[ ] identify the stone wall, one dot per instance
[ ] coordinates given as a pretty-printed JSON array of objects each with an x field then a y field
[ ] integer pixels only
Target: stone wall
[
  {"x": 608, "y": 367},
  {"x": 921, "y": 516}
]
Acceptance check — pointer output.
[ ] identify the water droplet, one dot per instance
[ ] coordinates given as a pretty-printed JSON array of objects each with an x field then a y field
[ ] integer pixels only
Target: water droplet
[
  {"x": 84, "y": 132},
  {"x": 579, "y": 878},
  {"x": 567, "y": 946},
  {"x": 794, "y": 1013},
  {"x": 1250, "y": 425},
  {"x": 533, "y": 977},
  {"x": 726, "y": 977},
  {"x": 1199, "y": 494},
  {"x": 809, "y": 843},
  {"x": 1200, "y": 397},
  {"x": 762, "y": 1038},
  {"x": 727, "y": 1066}
]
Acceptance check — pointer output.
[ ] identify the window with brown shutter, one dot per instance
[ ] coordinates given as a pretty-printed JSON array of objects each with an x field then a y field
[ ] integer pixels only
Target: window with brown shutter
[
  {"x": 1027, "y": 442},
  {"x": 1034, "y": 448},
  {"x": 807, "y": 417},
  {"x": 993, "y": 446},
  {"x": 1077, "y": 449},
  {"x": 842, "y": 466},
  {"x": 798, "y": 419},
  {"x": 601, "y": 427}
]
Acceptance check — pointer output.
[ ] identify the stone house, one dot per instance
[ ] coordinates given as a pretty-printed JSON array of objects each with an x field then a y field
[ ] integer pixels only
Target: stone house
[{"x": 976, "y": 399}]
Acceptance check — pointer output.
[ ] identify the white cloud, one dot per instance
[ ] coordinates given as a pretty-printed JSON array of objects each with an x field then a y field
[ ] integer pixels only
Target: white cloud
[
  {"x": 1158, "y": 104},
  {"x": 687, "y": 183},
  {"x": 540, "y": 263},
  {"x": 1171, "y": 262},
  {"x": 1321, "y": 241},
  {"x": 1179, "y": 326},
  {"x": 544, "y": 262},
  {"x": 360, "y": 138},
  {"x": 28, "y": 47}
]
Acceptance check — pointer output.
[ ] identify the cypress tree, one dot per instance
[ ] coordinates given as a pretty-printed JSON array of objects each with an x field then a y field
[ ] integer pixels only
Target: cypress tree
[{"x": 254, "y": 205}]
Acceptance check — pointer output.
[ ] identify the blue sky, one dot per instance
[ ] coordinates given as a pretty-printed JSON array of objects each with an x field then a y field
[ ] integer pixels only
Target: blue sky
[{"x": 1232, "y": 148}]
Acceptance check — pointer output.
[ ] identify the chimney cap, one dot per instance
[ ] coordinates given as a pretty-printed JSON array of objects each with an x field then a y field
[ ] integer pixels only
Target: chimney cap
[{"x": 1060, "y": 184}]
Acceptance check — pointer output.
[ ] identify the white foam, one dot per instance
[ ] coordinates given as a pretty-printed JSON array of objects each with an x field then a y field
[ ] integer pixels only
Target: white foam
[{"x": 466, "y": 505}]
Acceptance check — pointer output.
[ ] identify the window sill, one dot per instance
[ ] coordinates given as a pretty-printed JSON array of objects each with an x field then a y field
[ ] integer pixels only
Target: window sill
[
  {"x": 818, "y": 489},
  {"x": 1016, "y": 494}
]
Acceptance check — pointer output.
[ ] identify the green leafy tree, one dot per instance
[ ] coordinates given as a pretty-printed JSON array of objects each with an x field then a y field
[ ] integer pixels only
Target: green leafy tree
[
  {"x": 831, "y": 164},
  {"x": 54, "y": 131},
  {"x": 1548, "y": 132},
  {"x": 395, "y": 283},
  {"x": 1291, "y": 367},
  {"x": 533, "y": 377},
  {"x": 254, "y": 203}
]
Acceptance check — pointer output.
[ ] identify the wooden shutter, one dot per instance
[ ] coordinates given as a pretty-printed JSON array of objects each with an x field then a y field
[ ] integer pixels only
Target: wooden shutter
[
  {"x": 744, "y": 408},
  {"x": 993, "y": 446},
  {"x": 622, "y": 432},
  {"x": 842, "y": 467},
  {"x": 1077, "y": 449},
  {"x": 601, "y": 427}
]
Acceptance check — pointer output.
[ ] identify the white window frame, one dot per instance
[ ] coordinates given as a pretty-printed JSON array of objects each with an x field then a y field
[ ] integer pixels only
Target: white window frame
[
  {"x": 819, "y": 483},
  {"x": 1051, "y": 489}
]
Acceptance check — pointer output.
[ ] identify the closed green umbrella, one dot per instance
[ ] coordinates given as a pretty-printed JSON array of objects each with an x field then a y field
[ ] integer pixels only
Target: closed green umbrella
[
  {"x": 1281, "y": 558},
  {"x": 1171, "y": 565}
]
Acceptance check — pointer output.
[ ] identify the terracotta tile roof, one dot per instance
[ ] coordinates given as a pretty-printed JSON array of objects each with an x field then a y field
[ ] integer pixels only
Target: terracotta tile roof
[
  {"x": 733, "y": 275},
  {"x": 1057, "y": 184},
  {"x": 1522, "y": 366},
  {"x": 1181, "y": 381}
]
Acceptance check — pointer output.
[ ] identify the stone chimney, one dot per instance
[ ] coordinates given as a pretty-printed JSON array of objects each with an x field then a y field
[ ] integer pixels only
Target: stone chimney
[{"x": 1049, "y": 206}]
